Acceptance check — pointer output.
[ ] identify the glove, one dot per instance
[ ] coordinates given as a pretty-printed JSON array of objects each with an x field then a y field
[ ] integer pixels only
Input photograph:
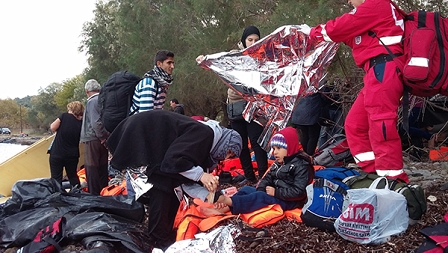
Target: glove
[{"x": 305, "y": 29}]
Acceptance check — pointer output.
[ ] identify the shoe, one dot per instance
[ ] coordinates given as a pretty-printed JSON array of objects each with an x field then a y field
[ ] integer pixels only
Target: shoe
[
  {"x": 225, "y": 177},
  {"x": 237, "y": 179}
]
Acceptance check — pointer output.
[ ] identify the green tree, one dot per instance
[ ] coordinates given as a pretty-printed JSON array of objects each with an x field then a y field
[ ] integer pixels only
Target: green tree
[
  {"x": 26, "y": 101},
  {"x": 10, "y": 114},
  {"x": 70, "y": 92},
  {"x": 100, "y": 41},
  {"x": 125, "y": 34},
  {"x": 43, "y": 107}
]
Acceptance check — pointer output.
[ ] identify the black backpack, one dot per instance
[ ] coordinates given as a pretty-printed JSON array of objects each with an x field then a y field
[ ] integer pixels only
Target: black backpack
[
  {"x": 115, "y": 98},
  {"x": 334, "y": 152}
]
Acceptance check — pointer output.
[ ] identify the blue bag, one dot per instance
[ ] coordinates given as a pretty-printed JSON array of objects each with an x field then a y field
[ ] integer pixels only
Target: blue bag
[{"x": 326, "y": 197}]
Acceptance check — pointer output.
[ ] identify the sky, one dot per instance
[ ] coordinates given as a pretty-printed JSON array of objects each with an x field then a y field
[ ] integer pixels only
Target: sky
[{"x": 39, "y": 43}]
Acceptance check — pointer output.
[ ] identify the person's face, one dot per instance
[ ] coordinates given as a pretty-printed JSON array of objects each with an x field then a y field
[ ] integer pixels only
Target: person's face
[
  {"x": 167, "y": 65},
  {"x": 251, "y": 39},
  {"x": 172, "y": 104},
  {"x": 355, "y": 3},
  {"x": 279, "y": 153}
]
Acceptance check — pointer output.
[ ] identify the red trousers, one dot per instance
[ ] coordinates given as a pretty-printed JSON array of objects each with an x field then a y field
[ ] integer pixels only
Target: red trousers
[{"x": 371, "y": 124}]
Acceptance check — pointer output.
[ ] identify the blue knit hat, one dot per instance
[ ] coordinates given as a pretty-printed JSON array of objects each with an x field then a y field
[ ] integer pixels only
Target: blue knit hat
[{"x": 279, "y": 141}]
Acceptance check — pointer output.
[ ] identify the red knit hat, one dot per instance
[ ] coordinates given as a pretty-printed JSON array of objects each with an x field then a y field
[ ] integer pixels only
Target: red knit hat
[{"x": 291, "y": 137}]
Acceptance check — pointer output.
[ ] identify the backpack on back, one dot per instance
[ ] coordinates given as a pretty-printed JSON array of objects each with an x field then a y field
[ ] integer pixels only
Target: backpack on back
[
  {"x": 115, "y": 98},
  {"x": 326, "y": 197},
  {"x": 425, "y": 56},
  {"x": 426, "y": 48}
]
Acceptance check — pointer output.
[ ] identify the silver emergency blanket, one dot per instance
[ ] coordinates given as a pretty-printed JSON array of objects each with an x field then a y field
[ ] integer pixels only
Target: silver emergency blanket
[
  {"x": 272, "y": 73},
  {"x": 219, "y": 240},
  {"x": 139, "y": 180}
]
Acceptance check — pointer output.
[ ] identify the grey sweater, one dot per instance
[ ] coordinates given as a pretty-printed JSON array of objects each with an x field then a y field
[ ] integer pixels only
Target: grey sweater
[{"x": 92, "y": 129}]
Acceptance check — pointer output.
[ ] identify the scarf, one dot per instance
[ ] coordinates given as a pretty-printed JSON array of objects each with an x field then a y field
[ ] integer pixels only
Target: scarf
[
  {"x": 163, "y": 79},
  {"x": 224, "y": 140}
]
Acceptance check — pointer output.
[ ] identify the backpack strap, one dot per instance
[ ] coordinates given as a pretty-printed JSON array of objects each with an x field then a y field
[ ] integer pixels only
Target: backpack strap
[
  {"x": 129, "y": 105},
  {"x": 405, "y": 105},
  {"x": 351, "y": 180},
  {"x": 334, "y": 185}
]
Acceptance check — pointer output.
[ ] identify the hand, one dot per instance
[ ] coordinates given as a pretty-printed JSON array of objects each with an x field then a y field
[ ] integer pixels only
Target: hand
[
  {"x": 270, "y": 191},
  {"x": 209, "y": 181},
  {"x": 199, "y": 58},
  {"x": 219, "y": 205},
  {"x": 304, "y": 28}
]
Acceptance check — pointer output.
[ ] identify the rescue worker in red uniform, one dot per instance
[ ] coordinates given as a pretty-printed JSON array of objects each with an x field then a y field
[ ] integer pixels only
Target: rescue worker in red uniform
[{"x": 371, "y": 124}]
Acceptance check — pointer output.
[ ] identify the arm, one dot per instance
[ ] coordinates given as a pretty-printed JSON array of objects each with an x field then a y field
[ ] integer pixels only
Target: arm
[
  {"x": 197, "y": 174},
  {"x": 144, "y": 96},
  {"x": 266, "y": 180},
  {"x": 358, "y": 21},
  {"x": 55, "y": 125},
  {"x": 94, "y": 119}
]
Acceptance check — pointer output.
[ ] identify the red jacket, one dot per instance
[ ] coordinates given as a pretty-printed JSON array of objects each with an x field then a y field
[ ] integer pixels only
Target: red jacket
[{"x": 378, "y": 16}]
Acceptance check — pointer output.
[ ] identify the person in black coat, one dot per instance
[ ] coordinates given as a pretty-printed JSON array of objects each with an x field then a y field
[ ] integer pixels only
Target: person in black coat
[
  {"x": 176, "y": 149},
  {"x": 306, "y": 117}
]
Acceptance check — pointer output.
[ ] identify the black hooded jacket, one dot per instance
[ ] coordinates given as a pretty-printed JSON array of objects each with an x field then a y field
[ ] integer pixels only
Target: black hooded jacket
[{"x": 168, "y": 143}]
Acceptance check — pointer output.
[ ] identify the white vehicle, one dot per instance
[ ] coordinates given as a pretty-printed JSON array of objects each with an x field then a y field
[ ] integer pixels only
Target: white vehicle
[{"x": 5, "y": 130}]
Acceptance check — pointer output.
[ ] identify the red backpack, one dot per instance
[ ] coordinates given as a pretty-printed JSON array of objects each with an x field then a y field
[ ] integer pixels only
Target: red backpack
[{"x": 425, "y": 56}]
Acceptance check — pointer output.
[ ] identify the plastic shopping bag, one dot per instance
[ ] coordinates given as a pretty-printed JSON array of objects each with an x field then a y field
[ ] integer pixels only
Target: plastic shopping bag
[{"x": 372, "y": 215}]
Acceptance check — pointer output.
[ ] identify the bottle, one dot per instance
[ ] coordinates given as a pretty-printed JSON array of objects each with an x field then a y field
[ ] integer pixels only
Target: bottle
[{"x": 229, "y": 192}]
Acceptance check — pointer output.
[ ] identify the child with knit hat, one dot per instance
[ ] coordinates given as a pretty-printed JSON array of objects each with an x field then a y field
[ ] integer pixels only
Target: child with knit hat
[{"x": 283, "y": 184}]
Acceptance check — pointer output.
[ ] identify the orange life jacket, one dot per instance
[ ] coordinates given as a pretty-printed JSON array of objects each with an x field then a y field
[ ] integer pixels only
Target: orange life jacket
[
  {"x": 83, "y": 178},
  {"x": 190, "y": 220},
  {"x": 265, "y": 216},
  {"x": 294, "y": 214},
  {"x": 439, "y": 155},
  {"x": 187, "y": 222},
  {"x": 114, "y": 190}
]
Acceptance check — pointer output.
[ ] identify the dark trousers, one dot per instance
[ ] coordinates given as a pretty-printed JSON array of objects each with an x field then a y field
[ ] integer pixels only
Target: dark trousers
[
  {"x": 57, "y": 165},
  {"x": 248, "y": 200},
  {"x": 95, "y": 162},
  {"x": 162, "y": 212},
  {"x": 335, "y": 127},
  {"x": 251, "y": 131},
  {"x": 309, "y": 136}
]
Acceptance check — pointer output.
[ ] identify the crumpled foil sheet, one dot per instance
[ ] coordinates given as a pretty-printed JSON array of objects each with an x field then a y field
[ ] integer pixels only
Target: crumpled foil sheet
[
  {"x": 139, "y": 179},
  {"x": 219, "y": 240},
  {"x": 272, "y": 73}
]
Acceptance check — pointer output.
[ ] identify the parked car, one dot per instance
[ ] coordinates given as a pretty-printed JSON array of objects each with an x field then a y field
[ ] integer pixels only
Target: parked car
[{"x": 5, "y": 130}]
